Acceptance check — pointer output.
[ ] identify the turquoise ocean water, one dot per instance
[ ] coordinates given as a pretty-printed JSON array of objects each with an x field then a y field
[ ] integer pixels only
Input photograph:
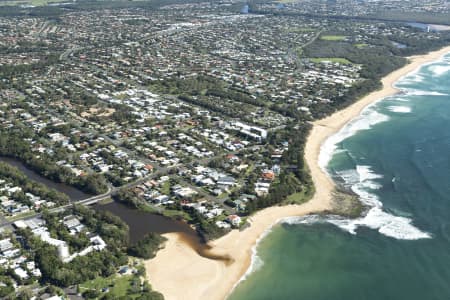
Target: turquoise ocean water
[{"x": 396, "y": 157}]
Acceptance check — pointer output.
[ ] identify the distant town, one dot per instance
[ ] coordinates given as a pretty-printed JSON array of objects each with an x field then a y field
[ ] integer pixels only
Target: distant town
[{"x": 196, "y": 111}]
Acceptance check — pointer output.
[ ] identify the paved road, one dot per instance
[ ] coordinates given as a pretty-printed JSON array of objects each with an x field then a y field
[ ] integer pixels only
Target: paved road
[
  {"x": 161, "y": 170},
  {"x": 89, "y": 201}
]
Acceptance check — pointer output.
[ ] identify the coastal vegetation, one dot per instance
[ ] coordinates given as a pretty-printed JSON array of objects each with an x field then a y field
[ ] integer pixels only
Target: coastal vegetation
[
  {"x": 336, "y": 41},
  {"x": 201, "y": 119},
  {"x": 98, "y": 267},
  {"x": 128, "y": 198},
  {"x": 147, "y": 247},
  {"x": 206, "y": 229},
  {"x": 119, "y": 287},
  {"x": 82, "y": 268},
  {"x": 15, "y": 177},
  {"x": 13, "y": 144}
]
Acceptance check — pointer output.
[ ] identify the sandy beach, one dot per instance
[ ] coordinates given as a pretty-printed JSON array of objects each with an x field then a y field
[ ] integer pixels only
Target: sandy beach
[{"x": 179, "y": 272}]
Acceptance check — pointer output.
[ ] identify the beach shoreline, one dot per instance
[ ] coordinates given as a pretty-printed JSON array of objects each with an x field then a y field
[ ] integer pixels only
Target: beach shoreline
[{"x": 179, "y": 272}]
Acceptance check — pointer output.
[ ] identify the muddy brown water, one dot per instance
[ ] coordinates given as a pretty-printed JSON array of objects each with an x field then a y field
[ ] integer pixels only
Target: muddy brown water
[{"x": 141, "y": 223}]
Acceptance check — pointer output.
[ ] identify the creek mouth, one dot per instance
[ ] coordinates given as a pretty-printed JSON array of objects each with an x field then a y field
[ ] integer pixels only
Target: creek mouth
[{"x": 141, "y": 223}]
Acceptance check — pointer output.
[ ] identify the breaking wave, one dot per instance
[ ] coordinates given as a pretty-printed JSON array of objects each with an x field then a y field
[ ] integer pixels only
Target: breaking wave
[
  {"x": 305, "y": 220},
  {"x": 362, "y": 183},
  {"x": 256, "y": 261},
  {"x": 255, "y": 265},
  {"x": 439, "y": 70},
  {"x": 413, "y": 78},
  {"x": 362, "y": 180},
  {"x": 368, "y": 118},
  {"x": 400, "y": 109},
  {"x": 424, "y": 93}
]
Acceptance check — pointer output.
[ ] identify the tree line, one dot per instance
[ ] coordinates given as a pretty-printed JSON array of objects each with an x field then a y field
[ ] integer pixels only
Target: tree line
[
  {"x": 96, "y": 264},
  {"x": 13, "y": 144},
  {"x": 16, "y": 177}
]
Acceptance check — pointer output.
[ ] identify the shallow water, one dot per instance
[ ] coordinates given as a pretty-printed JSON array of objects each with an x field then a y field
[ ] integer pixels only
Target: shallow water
[
  {"x": 141, "y": 223},
  {"x": 396, "y": 157}
]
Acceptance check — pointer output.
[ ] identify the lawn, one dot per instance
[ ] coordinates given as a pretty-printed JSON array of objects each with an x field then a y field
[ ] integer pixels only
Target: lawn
[
  {"x": 118, "y": 285},
  {"x": 165, "y": 189},
  {"x": 360, "y": 46},
  {"x": 171, "y": 213},
  {"x": 20, "y": 216},
  {"x": 222, "y": 196},
  {"x": 299, "y": 198},
  {"x": 335, "y": 38},
  {"x": 340, "y": 60}
]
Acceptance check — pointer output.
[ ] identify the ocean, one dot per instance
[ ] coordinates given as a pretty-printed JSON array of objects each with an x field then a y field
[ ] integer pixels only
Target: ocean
[{"x": 396, "y": 157}]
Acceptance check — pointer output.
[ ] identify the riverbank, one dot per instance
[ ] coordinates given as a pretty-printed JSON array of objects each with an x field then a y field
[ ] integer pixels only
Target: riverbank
[
  {"x": 73, "y": 193},
  {"x": 180, "y": 273}
]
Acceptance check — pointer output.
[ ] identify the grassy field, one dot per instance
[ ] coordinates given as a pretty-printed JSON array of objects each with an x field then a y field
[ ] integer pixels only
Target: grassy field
[
  {"x": 300, "y": 197},
  {"x": 165, "y": 189},
  {"x": 335, "y": 38},
  {"x": 19, "y": 216},
  {"x": 360, "y": 46},
  {"x": 332, "y": 59},
  {"x": 117, "y": 285},
  {"x": 171, "y": 213}
]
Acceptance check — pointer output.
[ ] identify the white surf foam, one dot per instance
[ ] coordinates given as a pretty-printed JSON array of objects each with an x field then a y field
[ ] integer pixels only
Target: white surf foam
[
  {"x": 413, "y": 77},
  {"x": 424, "y": 93},
  {"x": 368, "y": 118},
  {"x": 439, "y": 70},
  {"x": 416, "y": 76},
  {"x": 362, "y": 182},
  {"x": 371, "y": 185},
  {"x": 366, "y": 173},
  {"x": 255, "y": 265},
  {"x": 305, "y": 220},
  {"x": 387, "y": 224},
  {"x": 400, "y": 109},
  {"x": 350, "y": 177},
  {"x": 256, "y": 262},
  {"x": 401, "y": 100}
]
